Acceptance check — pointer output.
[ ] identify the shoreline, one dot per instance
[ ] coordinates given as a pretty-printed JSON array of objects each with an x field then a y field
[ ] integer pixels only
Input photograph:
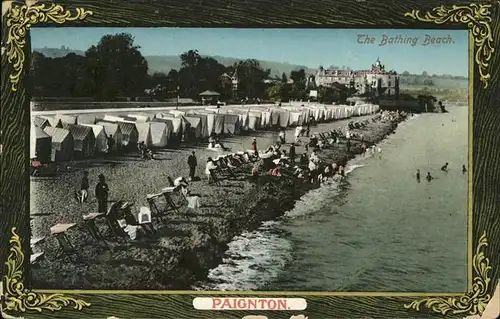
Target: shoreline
[{"x": 178, "y": 257}]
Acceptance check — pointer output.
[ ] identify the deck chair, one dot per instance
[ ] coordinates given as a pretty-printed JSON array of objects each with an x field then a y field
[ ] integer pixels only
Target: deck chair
[
  {"x": 224, "y": 169},
  {"x": 213, "y": 178},
  {"x": 157, "y": 212},
  {"x": 36, "y": 257},
  {"x": 114, "y": 228},
  {"x": 170, "y": 181},
  {"x": 65, "y": 247},
  {"x": 236, "y": 160},
  {"x": 145, "y": 220}
]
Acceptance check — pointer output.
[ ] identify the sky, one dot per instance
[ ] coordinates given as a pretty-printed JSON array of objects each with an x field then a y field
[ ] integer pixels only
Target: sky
[{"x": 307, "y": 47}]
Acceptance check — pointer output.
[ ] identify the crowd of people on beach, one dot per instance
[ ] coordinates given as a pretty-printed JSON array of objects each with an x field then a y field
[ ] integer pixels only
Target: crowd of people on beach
[{"x": 275, "y": 160}]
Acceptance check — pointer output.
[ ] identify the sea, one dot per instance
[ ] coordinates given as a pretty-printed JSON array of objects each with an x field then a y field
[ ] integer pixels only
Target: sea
[{"x": 378, "y": 230}]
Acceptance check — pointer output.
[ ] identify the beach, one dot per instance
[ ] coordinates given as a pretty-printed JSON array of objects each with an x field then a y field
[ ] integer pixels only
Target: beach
[{"x": 193, "y": 242}]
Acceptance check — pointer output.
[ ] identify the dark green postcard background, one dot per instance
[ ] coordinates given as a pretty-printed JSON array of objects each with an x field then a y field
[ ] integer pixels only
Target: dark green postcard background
[{"x": 14, "y": 116}]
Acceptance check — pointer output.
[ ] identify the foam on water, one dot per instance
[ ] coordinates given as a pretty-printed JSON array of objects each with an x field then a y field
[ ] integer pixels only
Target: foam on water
[
  {"x": 258, "y": 257},
  {"x": 252, "y": 260}
]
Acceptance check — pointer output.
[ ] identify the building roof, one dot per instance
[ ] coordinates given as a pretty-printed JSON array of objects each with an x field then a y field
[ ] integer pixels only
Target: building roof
[
  {"x": 110, "y": 128},
  {"x": 52, "y": 121},
  {"x": 86, "y": 119},
  {"x": 58, "y": 134},
  {"x": 97, "y": 129},
  {"x": 39, "y": 133},
  {"x": 66, "y": 118},
  {"x": 79, "y": 132},
  {"x": 39, "y": 121},
  {"x": 209, "y": 93},
  {"x": 126, "y": 128}
]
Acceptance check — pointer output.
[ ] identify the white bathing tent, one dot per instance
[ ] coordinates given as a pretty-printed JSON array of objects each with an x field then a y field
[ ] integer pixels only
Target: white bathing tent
[
  {"x": 203, "y": 122},
  {"x": 114, "y": 130},
  {"x": 210, "y": 116},
  {"x": 144, "y": 133},
  {"x": 169, "y": 127},
  {"x": 101, "y": 141},
  {"x": 294, "y": 119},
  {"x": 254, "y": 120},
  {"x": 243, "y": 118},
  {"x": 41, "y": 144},
  {"x": 231, "y": 124},
  {"x": 159, "y": 134},
  {"x": 219, "y": 124},
  {"x": 284, "y": 118},
  {"x": 177, "y": 133},
  {"x": 195, "y": 126},
  {"x": 275, "y": 117}
]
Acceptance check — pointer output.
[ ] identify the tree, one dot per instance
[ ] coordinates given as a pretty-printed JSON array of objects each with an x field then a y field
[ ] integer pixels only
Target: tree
[
  {"x": 299, "y": 84},
  {"x": 65, "y": 76},
  {"x": 190, "y": 58},
  {"x": 118, "y": 67},
  {"x": 251, "y": 78},
  {"x": 284, "y": 79},
  {"x": 425, "y": 73},
  {"x": 336, "y": 93},
  {"x": 274, "y": 92}
]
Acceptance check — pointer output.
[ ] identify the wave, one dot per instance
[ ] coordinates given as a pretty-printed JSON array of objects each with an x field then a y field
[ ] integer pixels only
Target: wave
[{"x": 252, "y": 260}]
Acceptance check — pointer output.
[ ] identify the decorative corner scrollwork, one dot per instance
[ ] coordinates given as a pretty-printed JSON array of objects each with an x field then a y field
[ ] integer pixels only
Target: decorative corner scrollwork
[
  {"x": 20, "y": 18},
  {"x": 477, "y": 18},
  {"x": 474, "y": 301},
  {"x": 18, "y": 298}
]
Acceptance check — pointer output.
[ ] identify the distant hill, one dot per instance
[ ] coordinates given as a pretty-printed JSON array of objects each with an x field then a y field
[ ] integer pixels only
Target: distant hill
[
  {"x": 166, "y": 63},
  {"x": 57, "y": 52}
]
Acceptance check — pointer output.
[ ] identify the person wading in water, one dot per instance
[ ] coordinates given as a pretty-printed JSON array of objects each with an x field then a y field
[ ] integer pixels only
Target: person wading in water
[
  {"x": 429, "y": 177},
  {"x": 464, "y": 170},
  {"x": 418, "y": 175},
  {"x": 444, "y": 168}
]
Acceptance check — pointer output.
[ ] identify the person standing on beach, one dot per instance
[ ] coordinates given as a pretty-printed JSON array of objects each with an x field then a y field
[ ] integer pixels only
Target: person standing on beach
[
  {"x": 111, "y": 143},
  {"x": 85, "y": 186},
  {"x": 208, "y": 170},
  {"x": 418, "y": 175},
  {"x": 341, "y": 171},
  {"x": 254, "y": 177},
  {"x": 192, "y": 163},
  {"x": 282, "y": 136},
  {"x": 101, "y": 193},
  {"x": 464, "y": 170},
  {"x": 291, "y": 153},
  {"x": 253, "y": 147},
  {"x": 348, "y": 145}
]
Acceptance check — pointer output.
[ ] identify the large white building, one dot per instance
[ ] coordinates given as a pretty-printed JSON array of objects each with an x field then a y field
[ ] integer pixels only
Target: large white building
[{"x": 376, "y": 80}]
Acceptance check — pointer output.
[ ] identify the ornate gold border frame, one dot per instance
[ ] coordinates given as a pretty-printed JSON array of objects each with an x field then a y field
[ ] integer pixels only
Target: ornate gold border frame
[{"x": 20, "y": 18}]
